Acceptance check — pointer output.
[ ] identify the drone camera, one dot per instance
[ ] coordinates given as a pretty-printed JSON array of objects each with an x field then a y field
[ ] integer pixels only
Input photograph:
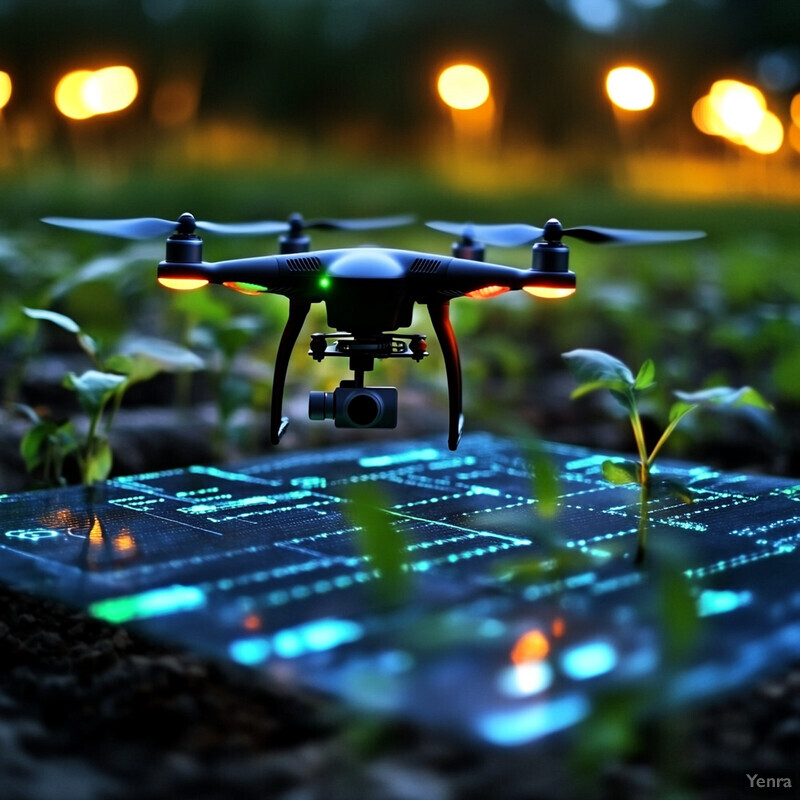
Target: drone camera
[{"x": 355, "y": 406}]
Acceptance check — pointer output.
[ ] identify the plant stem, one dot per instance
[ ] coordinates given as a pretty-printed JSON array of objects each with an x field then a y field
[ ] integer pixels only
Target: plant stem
[
  {"x": 666, "y": 434},
  {"x": 641, "y": 534}
]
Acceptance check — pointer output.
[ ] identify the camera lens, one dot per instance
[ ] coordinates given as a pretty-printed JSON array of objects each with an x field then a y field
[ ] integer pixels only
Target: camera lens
[
  {"x": 320, "y": 405},
  {"x": 363, "y": 409}
]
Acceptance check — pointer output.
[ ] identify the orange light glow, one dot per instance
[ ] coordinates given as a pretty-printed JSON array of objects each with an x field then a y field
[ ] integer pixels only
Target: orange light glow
[
  {"x": 244, "y": 288},
  {"x": 69, "y": 95},
  {"x": 549, "y": 292},
  {"x": 183, "y": 284},
  {"x": 110, "y": 89},
  {"x": 794, "y": 109},
  {"x": 5, "y": 89},
  {"x": 485, "y": 292},
  {"x": 558, "y": 627},
  {"x": 252, "y": 622},
  {"x": 738, "y": 112},
  {"x": 630, "y": 88},
  {"x": 768, "y": 137},
  {"x": 463, "y": 86},
  {"x": 96, "y": 532},
  {"x": 124, "y": 543},
  {"x": 84, "y": 93},
  {"x": 738, "y": 105},
  {"x": 531, "y": 646}
]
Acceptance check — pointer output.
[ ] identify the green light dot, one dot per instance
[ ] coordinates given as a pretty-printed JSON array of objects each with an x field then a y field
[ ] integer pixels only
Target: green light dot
[{"x": 324, "y": 282}]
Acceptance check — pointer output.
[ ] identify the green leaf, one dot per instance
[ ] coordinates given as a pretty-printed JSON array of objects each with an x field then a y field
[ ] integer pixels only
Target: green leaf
[
  {"x": 621, "y": 472},
  {"x": 645, "y": 378},
  {"x": 33, "y": 443},
  {"x": 680, "y": 408},
  {"x": 98, "y": 463},
  {"x": 379, "y": 542},
  {"x": 143, "y": 357},
  {"x": 93, "y": 388},
  {"x": 725, "y": 396},
  {"x": 595, "y": 366},
  {"x": 546, "y": 483},
  {"x": 52, "y": 316},
  {"x": 592, "y": 386}
]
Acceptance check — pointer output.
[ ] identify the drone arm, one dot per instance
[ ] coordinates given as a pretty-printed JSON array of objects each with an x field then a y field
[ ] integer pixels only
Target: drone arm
[
  {"x": 298, "y": 310},
  {"x": 440, "y": 318}
]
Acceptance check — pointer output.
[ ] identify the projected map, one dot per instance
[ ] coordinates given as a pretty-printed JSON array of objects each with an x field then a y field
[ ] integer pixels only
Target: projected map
[{"x": 514, "y": 621}]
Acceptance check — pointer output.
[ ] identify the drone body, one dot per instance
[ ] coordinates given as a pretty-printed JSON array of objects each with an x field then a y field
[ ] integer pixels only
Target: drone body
[{"x": 369, "y": 293}]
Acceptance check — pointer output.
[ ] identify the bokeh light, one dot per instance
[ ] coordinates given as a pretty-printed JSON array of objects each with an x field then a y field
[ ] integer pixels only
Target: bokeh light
[
  {"x": 630, "y": 88},
  {"x": 463, "y": 86},
  {"x": 768, "y": 137},
  {"x": 69, "y": 95},
  {"x": 5, "y": 89},
  {"x": 110, "y": 89},
  {"x": 85, "y": 93},
  {"x": 738, "y": 112},
  {"x": 739, "y": 106}
]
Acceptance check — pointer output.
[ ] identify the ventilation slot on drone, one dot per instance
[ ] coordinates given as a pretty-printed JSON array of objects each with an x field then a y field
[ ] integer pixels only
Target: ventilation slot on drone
[
  {"x": 303, "y": 264},
  {"x": 425, "y": 266}
]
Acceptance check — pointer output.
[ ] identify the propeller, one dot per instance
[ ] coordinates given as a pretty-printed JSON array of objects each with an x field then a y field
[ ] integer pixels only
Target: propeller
[
  {"x": 520, "y": 233},
  {"x": 148, "y": 227}
]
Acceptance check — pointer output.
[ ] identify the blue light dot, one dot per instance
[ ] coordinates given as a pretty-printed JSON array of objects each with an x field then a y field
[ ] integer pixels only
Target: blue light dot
[{"x": 589, "y": 660}]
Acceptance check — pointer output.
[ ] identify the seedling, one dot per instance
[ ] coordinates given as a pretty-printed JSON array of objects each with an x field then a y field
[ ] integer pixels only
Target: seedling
[
  {"x": 598, "y": 370},
  {"x": 99, "y": 391}
]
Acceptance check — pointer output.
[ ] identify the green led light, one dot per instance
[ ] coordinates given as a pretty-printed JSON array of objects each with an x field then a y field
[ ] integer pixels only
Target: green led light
[
  {"x": 155, "y": 603},
  {"x": 324, "y": 282}
]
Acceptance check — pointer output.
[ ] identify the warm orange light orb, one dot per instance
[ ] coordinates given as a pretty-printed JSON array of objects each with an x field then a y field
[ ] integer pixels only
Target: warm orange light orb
[
  {"x": 739, "y": 106},
  {"x": 630, "y": 88},
  {"x": 69, "y": 95},
  {"x": 738, "y": 112},
  {"x": 183, "y": 284},
  {"x": 5, "y": 89},
  {"x": 485, "y": 292},
  {"x": 768, "y": 137},
  {"x": 463, "y": 86},
  {"x": 84, "y": 93},
  {"x": 531, "y": 646},
  {"x": 549, "y": 292},
  {"x": 110, "y": 89}
]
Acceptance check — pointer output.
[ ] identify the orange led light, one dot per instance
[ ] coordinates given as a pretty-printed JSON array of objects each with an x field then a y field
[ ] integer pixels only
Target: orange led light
[
  {"x": 183, "y": 284},
  {"x": 252, "y": 622},
  {"x": 531, "y": 646},
  {"x": 549, "y": 292},
  {"x": 486, "y": 292},
  {"x": 244, "y": 288}
]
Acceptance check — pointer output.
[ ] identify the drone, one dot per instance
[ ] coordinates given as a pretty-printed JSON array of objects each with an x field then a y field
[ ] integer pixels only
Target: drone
[{"x": 369, "y": 293}]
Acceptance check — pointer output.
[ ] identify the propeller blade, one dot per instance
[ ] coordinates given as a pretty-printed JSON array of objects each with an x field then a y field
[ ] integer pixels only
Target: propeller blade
[
  {"x": 359, "y": 224},
  {"x": 138, "y": 228},
  {"x": 499, "y": 235},
  {"x": 632, "y": 237},
  {"x": 265, "y": 228}
]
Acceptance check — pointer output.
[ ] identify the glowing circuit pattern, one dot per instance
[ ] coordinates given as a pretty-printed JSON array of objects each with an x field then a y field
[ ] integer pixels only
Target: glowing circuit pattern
[{"x": 513, "y": 621}]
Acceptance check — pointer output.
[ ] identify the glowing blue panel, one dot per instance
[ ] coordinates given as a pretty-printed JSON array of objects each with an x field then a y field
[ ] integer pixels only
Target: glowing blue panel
[
  {"x": 425, "y": 454},
  {"x": 155, "y": 603},
  {"x": 721, "y": 602},
  {"x": 250, "y": 652},
  {"x": 589, "y": 660},
  {"x": 314, "y": 637},
  {"x": 521, "y": 725}
]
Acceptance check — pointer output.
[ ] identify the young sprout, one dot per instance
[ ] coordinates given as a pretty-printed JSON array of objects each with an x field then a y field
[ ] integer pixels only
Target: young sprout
[
  {"x": 595, "y": 370},
  {"x": 99, "y": 391}
]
